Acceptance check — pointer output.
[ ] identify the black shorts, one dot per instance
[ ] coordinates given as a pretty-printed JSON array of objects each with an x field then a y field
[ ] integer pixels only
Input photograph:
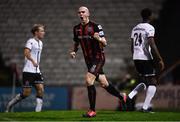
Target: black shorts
[
  {"x": 145, "y": 67},
  {"x": 29, "y": 79},
  {"x": 96, "y": 67}
]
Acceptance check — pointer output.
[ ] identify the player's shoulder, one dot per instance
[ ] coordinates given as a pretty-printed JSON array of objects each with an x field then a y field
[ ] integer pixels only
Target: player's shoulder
[
  {"x": 99, "y": 26},
  {"x": 40, "y": 42},
  {"x": 78, "y": 25},
  {"x": 31, "y": 40},
  {"x": 149, "y": 26},
  {"x": 138, "y": 25},
  {"x": 143, "y": 26}
]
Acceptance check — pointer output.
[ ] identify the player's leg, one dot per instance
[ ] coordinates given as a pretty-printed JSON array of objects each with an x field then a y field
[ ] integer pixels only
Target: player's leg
[
  {"x": 93, "y": 72},
  {"x": 151, "y": 90},
  {"x": 26, "y": 91},
  {"x": 140, "y": 87},
  {"x": 109, "y": 87},
  {"x": 141, "y": 69},
  {"x": 39, "y": 86},
  {"x": 39, "y": 97},
  {"x": 147, "y": 71},
  {"x": 130, "y": 99},
  {"x": 90, "y": 78}
]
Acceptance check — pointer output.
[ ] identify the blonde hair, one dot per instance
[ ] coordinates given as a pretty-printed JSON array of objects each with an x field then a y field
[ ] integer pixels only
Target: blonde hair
[{"x": 36, "y": 28}]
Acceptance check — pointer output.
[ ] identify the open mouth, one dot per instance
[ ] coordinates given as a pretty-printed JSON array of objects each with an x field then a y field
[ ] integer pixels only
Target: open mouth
[{"x": 81, "y": 18}]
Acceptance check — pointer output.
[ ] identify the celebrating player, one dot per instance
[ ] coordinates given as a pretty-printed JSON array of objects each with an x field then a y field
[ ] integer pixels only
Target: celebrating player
[
  {"x": 31, "y": 71},
  {"x": 145, "y": 53},
  {"x": 92, "y": 40}
]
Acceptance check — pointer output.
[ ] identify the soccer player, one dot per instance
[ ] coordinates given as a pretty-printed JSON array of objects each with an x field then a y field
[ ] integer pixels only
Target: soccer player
[
  {"x": 31, "y": 71},
  {"x": 145, "y": 53},
  {"x": 92, "y": 40}
]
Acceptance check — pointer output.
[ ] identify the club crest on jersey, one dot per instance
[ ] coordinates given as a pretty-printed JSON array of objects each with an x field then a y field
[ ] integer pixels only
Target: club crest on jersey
[{"x": 90, "y": 29}]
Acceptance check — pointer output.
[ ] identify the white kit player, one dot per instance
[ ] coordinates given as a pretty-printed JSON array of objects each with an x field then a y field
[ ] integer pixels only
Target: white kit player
[
  {"x": 145, "y": 53},
  {"x": 31, "y": 71}
]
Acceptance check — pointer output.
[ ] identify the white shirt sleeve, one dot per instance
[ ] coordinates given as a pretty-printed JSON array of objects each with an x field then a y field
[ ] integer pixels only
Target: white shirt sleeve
[
  {"x": 29, "y": 44},
  {"x": 151, "y": 32},
  {"x": 132, "y": 33}
]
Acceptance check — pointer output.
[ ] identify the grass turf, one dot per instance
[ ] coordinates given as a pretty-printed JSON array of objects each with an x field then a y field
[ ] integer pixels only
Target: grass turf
[{"x": 101, "y": 116}]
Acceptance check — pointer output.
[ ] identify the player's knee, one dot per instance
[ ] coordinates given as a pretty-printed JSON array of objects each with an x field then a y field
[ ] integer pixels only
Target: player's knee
[
  {"x": 104, "y": 84},
  {"x": 89, "y": 83},
  {"x": 40, "y": 92},
  {"x": 152, "y": 81},
  {"x": 89, "y": 80},
  {"x": 26, "y": 93}
]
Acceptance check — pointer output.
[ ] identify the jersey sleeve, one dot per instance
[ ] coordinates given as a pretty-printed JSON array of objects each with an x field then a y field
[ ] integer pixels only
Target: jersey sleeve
[
  {"x": 98, "y": 29},
  {"x": 151, "y": 32},
  {"x": 29, "y": 44},
  {"x": 42, "y": 45},
  {"x": 132, "y": 34},
  {"x": 75, "y": 38}
]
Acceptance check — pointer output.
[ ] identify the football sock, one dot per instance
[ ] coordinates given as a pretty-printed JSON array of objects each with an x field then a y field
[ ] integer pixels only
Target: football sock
[
  {"x": 149, "y": 95},
  {"x": 132, "y": 94},
  {"x": 13, "y": 101},
  {"x": 110, "y": 89},
  {"x": 138, "y": 88},
  {"x": 39, "y": 103},
  {"x": 92, "y": 96}
]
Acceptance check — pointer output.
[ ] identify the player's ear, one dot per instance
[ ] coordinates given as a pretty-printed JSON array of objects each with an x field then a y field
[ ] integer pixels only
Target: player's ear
[{"x": 88, "y": 13}]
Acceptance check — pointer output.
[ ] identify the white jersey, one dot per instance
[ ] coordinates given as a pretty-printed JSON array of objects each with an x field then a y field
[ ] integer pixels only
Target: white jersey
[
  {"x": 139, "y": 35},
  {"x": 35, "y": 47}
]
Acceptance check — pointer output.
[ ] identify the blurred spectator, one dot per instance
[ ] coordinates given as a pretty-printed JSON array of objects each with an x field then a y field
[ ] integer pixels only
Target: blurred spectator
[{"x": 8, "y": 71}]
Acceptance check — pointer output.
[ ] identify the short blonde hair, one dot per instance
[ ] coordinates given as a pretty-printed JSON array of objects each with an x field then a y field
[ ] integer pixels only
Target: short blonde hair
[{"x": 36, "y": 28}]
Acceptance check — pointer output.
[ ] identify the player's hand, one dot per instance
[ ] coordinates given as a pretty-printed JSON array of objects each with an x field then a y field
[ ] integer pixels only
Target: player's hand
[
  {"x": 96, "y": 36},
  {"x": 35, "y": 64},
  {"x": 73, "y": 54}
]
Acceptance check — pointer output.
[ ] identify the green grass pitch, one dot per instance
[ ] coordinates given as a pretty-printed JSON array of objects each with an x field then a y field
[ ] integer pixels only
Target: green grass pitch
[{"x": 75, "y": 115}]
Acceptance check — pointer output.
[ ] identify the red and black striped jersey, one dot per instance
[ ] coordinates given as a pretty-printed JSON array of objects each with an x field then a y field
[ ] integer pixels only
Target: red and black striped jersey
[{"x": 92, "y": 48}]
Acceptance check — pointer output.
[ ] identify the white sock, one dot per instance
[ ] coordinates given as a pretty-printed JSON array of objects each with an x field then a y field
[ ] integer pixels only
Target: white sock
[
  {"x": 39, "y": 103},
  {"x": 132, "y": 94},
  {"x": 138, "y": 88},
  {"x": 149, "y": 95}
]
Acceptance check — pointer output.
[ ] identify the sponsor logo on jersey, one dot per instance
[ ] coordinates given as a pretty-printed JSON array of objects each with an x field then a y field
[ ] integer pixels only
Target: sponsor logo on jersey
[
  {"x": 90, "y": 29},
  {"x": 84, "y": 37},
  {"x": 78, "y": 30}
]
